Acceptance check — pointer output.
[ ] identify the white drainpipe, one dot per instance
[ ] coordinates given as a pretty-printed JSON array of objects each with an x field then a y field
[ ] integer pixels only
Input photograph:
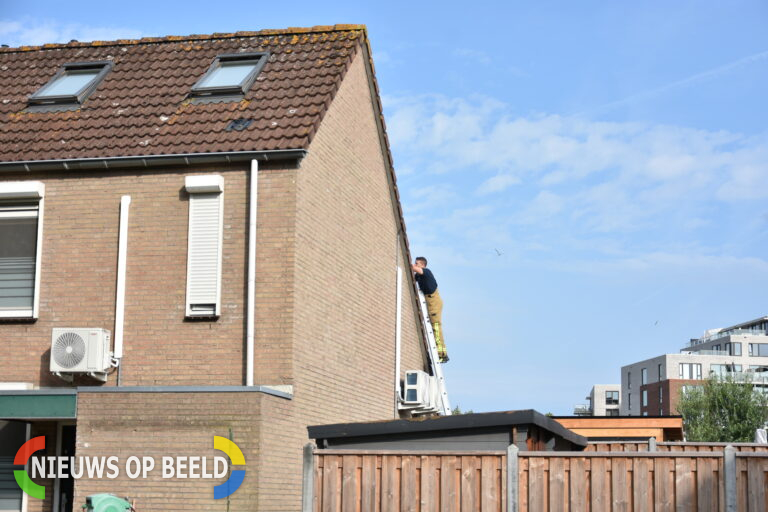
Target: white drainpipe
[
  {"x": 122, "y": 254},
  {"x": 251, "y": 301},
  {"x": 398, "y": 333}
]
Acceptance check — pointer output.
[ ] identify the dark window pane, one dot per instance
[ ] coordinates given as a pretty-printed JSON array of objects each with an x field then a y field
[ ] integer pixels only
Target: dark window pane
[{"x": 17, "y": 261}]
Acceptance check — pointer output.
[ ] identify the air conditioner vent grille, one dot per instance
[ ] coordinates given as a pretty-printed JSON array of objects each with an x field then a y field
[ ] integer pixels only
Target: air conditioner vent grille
[{"x": 69, "y": 349}]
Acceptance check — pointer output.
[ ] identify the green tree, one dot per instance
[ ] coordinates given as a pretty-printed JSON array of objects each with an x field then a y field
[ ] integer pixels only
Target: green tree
[
  {"x": 457, "y": 410},
  {"x": 722, "y": 410}
]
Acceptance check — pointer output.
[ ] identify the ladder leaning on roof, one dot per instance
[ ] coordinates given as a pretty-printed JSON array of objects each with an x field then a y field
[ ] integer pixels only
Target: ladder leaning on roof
[{"x": 434, "y": 360}]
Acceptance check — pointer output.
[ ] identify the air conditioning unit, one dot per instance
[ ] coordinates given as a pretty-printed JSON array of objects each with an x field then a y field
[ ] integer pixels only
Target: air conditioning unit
[
  {"x": 420, "y": 393},
  {"x": 80, "y": 350}
]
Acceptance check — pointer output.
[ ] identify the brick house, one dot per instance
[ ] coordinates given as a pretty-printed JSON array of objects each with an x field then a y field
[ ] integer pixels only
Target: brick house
[{"x": 225, "y": 205}]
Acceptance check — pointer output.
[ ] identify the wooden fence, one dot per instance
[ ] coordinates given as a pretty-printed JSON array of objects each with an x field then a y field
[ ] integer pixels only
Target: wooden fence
[
  {"x": 629, "y": 480},
  {"x": 652, "y": 445}
]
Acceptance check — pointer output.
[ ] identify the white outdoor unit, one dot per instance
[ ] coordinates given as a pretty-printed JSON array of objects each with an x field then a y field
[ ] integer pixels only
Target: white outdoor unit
[
  {"x": 80, "y": 350},
  {"x": 420, "y": 394}
]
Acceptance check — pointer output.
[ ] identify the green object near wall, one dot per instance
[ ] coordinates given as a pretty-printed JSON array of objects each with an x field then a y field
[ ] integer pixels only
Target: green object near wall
[
  {"x": 30, "y": 405},
  {"x": 105, "y": 503}
]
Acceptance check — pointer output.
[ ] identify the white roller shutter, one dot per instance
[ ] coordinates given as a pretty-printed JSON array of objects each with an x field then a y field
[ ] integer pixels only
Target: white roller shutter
[{"x": 204, "y": 248}]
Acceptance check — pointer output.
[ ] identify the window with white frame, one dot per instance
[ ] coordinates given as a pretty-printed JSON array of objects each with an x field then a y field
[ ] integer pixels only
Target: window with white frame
[
  {"x": 206, "y": 201},
  {"x": 645, "y": 398},
  {"x": 690, "y": 370},
  {"x": 21, "y": 222},
  {"x": 644, "y": 376}
]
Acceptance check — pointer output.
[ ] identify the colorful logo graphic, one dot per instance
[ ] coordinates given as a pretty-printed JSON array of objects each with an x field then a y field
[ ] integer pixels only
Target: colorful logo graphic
[
  {"x": 93, "y": 467},
  {"x": 236, "y": 478},
  {"x": 22, "y": 477}
]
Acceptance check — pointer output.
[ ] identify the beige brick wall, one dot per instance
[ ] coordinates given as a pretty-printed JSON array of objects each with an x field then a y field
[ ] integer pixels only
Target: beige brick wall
[
  {"x": 346, "y": 258},
  {"x": 78, "y": 276},
  {"x": 168, "y": 424}
]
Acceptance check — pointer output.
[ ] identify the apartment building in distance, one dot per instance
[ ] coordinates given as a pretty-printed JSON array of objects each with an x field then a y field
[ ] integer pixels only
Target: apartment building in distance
[
  {"x": 652, "y": 387},
  {"x": 200, "y": 236},
  {"x": 603, "y": 400}
]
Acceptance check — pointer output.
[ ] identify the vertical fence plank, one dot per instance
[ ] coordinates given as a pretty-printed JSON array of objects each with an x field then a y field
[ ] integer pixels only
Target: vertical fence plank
[
  {"x": 600, "y": 485},
  {"x": 742, "y": 484},
  {"x": 578, "y": 485},
  {"x": 331, "y": 484},
  {"x": 490, "y": 484},
  {"x": 523, "y": 485},
  {"x": 430, "y": 484},
  {"x": 318, "y": 484},
  {"x": 368, "y": 485},
  {"x": 469, "y": 481},
  {"x": 557, "y": 486},
  {"x": 664, "y": 484},
  {"x": 620, "y": 482},
  {"x": 707, "y": 485},
  {"x": 350, "y": 482},
  {"x": 409, "y": 487},
  {"x": 390, "y": 483},
  {"x": 642, "y": 484},
  {"x": 685, "y": 484},
  {"x": 538, "y": 483},
  {"x": 756, "y": 482},
  {"x": 449, "y": 484}
]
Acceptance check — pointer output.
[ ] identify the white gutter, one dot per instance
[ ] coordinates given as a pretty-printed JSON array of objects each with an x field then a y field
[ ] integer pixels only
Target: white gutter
[
  {"x": 398, "y": 334},
  {"x": 251, "y": 300},
  {"x": 122, "y": 250}
]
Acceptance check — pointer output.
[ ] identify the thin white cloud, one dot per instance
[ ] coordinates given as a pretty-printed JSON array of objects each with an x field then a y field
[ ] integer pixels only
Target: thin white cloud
[
  {"x": 607, "y": 176},
  {"x": 473, "y": 55},
  {"x": 31, "y": 32},
  {"x": 686, "y": 82},
  {"x": 497, "y": 183}
]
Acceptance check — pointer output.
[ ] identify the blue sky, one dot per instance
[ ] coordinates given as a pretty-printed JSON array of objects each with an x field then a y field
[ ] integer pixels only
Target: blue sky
[{"x": 614, "y": 153}]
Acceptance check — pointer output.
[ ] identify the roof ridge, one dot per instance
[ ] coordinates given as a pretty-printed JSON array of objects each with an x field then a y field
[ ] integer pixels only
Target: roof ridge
[{"x": 341, "y": 27}]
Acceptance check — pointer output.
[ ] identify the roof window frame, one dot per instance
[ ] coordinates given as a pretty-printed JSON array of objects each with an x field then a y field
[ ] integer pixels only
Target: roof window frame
[
  {"x": 41, "y": 99},
  {"x": 259, "y": 59}
]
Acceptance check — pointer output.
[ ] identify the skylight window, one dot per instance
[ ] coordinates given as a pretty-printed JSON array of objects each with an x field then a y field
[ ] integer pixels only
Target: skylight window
[
  {"x": 231, "y": 74},
  {"x": 72, "y": 84}
]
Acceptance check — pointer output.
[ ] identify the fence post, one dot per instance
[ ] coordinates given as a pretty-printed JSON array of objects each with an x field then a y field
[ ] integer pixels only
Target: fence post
[
  {"x": 308, "y": 480},
  {"x": 513, "y": 477},
  {"x": 651, "y": 444},
  {"x": 729, "y": 475}
]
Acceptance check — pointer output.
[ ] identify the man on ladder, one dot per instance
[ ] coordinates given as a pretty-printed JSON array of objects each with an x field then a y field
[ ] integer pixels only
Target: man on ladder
[{"x": 428, "y": 285}]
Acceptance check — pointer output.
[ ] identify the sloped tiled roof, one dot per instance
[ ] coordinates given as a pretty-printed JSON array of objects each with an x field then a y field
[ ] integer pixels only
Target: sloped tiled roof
[{"x": 141, "y": 108}]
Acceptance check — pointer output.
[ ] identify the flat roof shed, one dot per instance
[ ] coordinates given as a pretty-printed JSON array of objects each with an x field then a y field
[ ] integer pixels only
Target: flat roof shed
[
  {"x": 527, "y": 429},
  {"x": 625, "y": 428}
]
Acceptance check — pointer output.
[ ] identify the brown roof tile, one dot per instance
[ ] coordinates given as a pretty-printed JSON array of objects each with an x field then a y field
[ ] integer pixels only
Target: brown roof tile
[{"x": 141, "y": 106}]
